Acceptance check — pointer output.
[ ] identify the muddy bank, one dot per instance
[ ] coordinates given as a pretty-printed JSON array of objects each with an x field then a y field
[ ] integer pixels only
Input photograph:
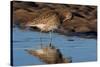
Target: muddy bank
[{"x": 78, "y": 20}]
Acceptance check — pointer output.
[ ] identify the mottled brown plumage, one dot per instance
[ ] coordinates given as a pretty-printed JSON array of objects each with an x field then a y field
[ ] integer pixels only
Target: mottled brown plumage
[{"x": 45, "y": 21}]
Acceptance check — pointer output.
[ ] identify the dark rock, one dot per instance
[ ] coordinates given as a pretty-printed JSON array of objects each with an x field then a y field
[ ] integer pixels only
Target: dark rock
[{"x": 83, "y": 19}]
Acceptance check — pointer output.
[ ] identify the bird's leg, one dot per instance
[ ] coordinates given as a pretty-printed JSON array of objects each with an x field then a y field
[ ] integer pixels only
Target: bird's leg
[
  {"x": 41, "y": 45},
  {"x": 50, "y": 33}
]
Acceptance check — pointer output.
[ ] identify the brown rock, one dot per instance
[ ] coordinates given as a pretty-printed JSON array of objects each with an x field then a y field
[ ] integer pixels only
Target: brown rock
[
  {"x": 78, "y": 24},
  {"x": 23, "y": 16},
  {"x": 82, "y": 29},
  {"x": 74, "y": 18}
]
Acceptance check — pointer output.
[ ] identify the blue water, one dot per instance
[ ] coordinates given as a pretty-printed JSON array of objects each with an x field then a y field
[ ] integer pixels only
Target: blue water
[{"x": 81, "y": 49}]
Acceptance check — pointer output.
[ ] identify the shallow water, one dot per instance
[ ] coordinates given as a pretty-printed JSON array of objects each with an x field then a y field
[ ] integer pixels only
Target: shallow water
[{"x": 79, "y": 49}]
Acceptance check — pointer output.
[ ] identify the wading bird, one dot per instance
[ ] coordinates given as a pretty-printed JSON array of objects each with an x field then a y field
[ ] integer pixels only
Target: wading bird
[{"x": 46, "y": 21}]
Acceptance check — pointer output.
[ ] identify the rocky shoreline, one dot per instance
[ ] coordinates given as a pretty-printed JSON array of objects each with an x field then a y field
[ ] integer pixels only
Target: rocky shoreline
[{"x": 81, "y": 22}]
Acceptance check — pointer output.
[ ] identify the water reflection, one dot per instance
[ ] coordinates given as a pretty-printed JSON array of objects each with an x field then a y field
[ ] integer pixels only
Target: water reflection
[{"x": 80, "y": 49}]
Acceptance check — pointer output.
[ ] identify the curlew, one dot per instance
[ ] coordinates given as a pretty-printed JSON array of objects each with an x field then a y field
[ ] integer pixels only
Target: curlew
[{"x": 46, "y": 21}]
